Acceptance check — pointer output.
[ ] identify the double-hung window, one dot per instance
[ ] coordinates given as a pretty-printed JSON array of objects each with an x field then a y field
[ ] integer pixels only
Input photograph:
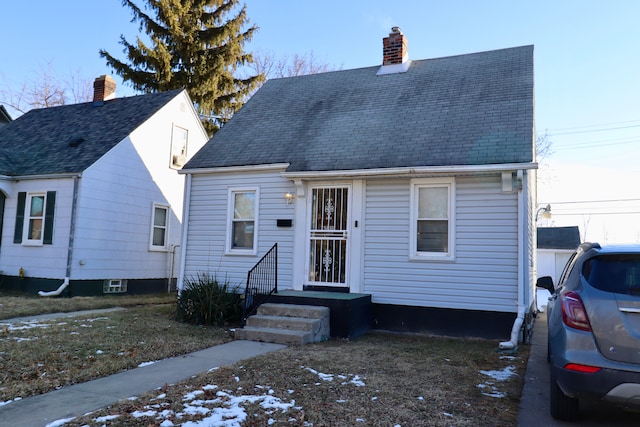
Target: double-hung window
[
  {"x": 34, "y": 218},
  {"x": 159, "y": 227},
  {"x": 432, "y": 219},
  {"x": 242, "y": 235}
]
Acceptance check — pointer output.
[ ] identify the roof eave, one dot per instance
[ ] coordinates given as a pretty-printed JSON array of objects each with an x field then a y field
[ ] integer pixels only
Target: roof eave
[
  {"x": 234, "y": 169},
  {"x": 410, "y": 171}
]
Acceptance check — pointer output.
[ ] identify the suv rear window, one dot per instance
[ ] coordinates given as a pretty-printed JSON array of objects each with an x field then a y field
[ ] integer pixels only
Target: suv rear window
[{"x": 614, "y": 273}]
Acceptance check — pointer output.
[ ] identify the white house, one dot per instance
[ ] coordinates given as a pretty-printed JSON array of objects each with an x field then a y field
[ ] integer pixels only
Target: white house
[
  {"x": 90, "y": 193},
  {"x": 412, "y": 182}
]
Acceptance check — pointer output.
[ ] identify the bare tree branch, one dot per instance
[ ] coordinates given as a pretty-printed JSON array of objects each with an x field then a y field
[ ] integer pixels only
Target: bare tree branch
[{"x": 46, "y": 89}]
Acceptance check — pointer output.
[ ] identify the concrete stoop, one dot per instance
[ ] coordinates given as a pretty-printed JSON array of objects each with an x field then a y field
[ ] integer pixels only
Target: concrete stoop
[{"x": 289, "y": 324}]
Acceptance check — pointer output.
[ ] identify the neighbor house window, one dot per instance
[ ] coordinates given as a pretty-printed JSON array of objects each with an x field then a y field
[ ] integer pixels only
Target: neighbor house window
[
  {"x": 179, "y": 137},
  {"x": 242, "y": 221},
  {"x": 34, "y": 218},
  {"x": 432, "y": 219},
  {"x": 114, "y": 286},
  {"x": 159, "y": 227}
]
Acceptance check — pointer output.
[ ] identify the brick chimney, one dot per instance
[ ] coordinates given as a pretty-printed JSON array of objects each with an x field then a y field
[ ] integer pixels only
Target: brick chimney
[
  {"x": 104, "y": 89},
  {"x": 395, "y": 54},
  {"x": 394, "y": 48}
]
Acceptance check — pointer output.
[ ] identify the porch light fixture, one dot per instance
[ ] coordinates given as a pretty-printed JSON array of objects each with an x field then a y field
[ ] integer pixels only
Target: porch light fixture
[
  {"x": 544, "y": 212},
  {"x": 288, "y": 197}
]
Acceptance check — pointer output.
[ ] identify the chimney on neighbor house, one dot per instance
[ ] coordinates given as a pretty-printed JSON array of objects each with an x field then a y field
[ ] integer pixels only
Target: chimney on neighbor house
[
  {"x": 104, "y": 89},
  {"x": 394, "y": 48}
]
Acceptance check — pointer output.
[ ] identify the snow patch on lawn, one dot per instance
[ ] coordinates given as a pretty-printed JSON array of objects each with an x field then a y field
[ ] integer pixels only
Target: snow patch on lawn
[{"x": 499, "y": 376}]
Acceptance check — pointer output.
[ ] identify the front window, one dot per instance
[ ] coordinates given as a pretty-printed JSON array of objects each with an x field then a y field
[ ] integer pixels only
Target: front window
[
  {"x": 432, "y": 219},
  {"x": 36, "y": 217},
  {"x": 159, "y": 227},
  {"x": 242, "y": 236}
]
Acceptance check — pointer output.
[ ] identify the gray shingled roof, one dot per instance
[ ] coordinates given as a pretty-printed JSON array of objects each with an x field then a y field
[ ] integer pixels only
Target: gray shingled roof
[
  {"x": 558, "y": 237},
  {"x": 473, "y": 109},
  {"x": 70, "y": 138}
]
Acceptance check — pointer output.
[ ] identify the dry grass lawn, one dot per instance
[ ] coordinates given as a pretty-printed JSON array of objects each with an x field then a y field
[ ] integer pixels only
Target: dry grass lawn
[
  {"x": 377, "y": 380},
  {"x": 49, "y": 354},
  {"x": 12, "y": 305},
  {"x": 380, "y": 379}
]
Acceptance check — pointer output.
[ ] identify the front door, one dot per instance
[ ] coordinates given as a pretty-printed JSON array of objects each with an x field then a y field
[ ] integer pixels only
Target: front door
[{"x": 328, "y": 242}]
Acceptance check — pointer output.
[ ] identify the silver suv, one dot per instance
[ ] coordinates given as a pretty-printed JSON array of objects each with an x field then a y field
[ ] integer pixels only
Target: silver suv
[{"x": 593, "y": 316}]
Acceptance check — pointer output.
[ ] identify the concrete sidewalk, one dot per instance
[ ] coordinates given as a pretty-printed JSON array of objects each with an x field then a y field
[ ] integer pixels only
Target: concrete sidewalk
[{"x": 79, "y": 399}]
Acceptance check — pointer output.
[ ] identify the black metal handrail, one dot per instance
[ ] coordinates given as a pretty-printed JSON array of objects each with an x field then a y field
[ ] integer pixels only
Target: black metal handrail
[{"x": 262, "y": 281}]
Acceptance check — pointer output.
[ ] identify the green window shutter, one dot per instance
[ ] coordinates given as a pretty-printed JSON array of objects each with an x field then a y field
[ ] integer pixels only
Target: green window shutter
[
  {"x": 17, "y": 234},
  {"x": 47, "y": 237}
]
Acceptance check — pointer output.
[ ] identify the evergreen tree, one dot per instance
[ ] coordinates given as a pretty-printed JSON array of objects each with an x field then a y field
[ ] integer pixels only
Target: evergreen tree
[{"x": 194, "y": 44}]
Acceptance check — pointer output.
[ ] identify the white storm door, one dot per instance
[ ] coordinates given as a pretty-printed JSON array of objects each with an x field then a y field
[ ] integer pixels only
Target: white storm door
[{"x": 329, "y": 236}]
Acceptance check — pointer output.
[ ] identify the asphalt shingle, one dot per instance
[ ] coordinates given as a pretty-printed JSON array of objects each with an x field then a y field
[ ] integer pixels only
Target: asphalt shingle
[{"x": 470, "y": 109}]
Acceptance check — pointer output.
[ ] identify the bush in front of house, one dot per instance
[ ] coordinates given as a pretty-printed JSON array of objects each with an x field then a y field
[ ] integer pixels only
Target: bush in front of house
[{"x": 205, "y": 301}]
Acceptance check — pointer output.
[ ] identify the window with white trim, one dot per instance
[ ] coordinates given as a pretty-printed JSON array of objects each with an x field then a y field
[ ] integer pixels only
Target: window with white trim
[
  {"x": 35, "y": 218},
  {"x": 432, "y": 219},
  {"x": 159, "y": 227},
  {"x": 114, "y": 286},
  {"x": 179, "y": 138},
  {"x": 242, "y": 234}
]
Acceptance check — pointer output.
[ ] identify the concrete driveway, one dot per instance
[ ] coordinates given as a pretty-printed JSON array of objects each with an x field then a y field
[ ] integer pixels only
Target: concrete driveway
[{"x": 534, "y": 405}]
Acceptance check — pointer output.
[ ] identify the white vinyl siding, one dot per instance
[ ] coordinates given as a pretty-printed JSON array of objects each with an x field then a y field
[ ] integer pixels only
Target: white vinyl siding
[
  {"x": 116, "y": 194},
  {"x": 207, "y": 226},
  {"x": 484, "y": 273}
]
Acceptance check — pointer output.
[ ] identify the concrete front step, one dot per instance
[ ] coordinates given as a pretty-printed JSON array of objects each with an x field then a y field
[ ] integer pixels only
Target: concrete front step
[
  {"x": 278, "y": 336},
  {"x": 287, "y": 324},
  {"x": 293, "y": 310},
  {"x": 281, "y": 322}
]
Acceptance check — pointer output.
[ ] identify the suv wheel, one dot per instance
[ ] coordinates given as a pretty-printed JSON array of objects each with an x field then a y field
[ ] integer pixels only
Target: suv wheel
[{"x": 562, "y": 407}]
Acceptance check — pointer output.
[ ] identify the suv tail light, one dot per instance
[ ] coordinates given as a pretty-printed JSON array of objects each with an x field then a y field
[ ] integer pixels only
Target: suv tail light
[{"x": 574, "y": 314}]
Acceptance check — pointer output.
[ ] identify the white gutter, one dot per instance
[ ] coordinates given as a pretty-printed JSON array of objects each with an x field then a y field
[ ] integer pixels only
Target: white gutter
[
  {"x": 420, "y": 170},
  {"x": 185, "y": 230},
  {"x": 363, "y": 172},
  {"x": 517, "y": 324},
  {"x": 234, "y": 169},
  {"x": 47, "y": 176},
  {"x": 72, "y": 232}
]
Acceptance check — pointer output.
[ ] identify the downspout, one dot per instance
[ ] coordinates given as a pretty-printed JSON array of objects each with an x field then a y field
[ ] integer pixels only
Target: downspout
[
  {"x": 72, "y": 230},
  {"x": 172, "y": 257},
  {"x": 517, "y": 324},
  {"x": 185, "y": 230}
]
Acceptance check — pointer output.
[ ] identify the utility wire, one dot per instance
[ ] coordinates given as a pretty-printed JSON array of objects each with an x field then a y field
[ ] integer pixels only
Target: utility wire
[
  {"x": 591, "y": 126},
  {"x": 589, "y": 201},
  {"x": 592, "y": 130}
]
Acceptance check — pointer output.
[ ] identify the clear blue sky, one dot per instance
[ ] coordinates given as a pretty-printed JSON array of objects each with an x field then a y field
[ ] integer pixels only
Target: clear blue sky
[{"x": 587, "y": 68}]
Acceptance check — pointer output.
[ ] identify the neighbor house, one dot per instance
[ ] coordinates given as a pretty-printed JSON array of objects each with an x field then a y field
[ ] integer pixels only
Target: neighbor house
[
  {"x": 555, "y": 246},
  {"x": 411, "y": 182},
  {"x": 5, "y": 118},
  {"x": 91, "y": 200}
]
